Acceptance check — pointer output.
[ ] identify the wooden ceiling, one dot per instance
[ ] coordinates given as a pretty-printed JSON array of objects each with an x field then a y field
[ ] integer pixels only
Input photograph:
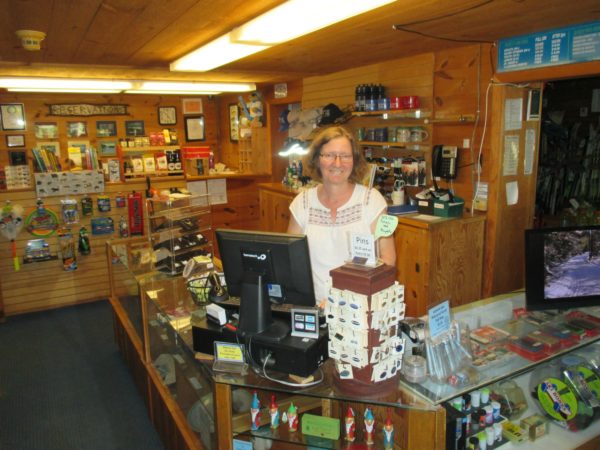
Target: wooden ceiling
[{"x": 138, "y": 39}]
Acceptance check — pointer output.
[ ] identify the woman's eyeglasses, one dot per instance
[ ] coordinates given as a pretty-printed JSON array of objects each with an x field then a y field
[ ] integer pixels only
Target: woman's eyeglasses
[{"x": 330, "y": 157}]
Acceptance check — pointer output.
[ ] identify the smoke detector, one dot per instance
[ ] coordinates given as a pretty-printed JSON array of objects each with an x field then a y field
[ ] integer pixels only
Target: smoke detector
[{"x": 30, "y": 39}]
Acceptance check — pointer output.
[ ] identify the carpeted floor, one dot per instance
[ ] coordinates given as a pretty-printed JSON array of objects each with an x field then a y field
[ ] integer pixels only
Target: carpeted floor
[{"x": 63, "y": 384}]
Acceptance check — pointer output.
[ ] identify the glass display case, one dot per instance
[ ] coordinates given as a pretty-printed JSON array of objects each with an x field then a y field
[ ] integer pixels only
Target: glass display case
[
  {"x": 179, "y": 229},
  {"x": 212, "y": 408}
]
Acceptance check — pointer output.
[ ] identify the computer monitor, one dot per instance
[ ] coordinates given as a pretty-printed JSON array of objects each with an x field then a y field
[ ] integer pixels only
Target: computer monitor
[
  {"x": 562, "y": 267},
  {"x": 263, "y": 268}
]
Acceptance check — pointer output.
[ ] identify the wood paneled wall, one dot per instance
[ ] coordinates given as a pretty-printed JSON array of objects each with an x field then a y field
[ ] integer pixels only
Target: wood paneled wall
[{"x": 46, "y": 285}]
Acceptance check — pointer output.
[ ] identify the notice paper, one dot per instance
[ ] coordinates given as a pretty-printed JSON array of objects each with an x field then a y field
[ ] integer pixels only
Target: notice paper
[
  {"x": 529, "y": 151},
  {"x": 511, "y": 155},
  {"x": 513, "y": 114},
  {"x": 512, "y": 193}
]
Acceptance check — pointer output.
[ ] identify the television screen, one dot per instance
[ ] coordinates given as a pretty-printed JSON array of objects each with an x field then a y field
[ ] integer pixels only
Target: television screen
[{"x": 562, "y": 267}]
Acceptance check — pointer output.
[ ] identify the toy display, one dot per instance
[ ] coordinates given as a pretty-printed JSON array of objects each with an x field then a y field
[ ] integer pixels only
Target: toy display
[
  {"x": 42, "y": 221},
  {"x": 87, "y": 207},
  {"x": 70, "y": 214},
  {"x": 67, "y": 249},
  {"x": 10, "y": 225},
  {"x": 37, "y": 250},
  {"x": 84, "y": 242}
]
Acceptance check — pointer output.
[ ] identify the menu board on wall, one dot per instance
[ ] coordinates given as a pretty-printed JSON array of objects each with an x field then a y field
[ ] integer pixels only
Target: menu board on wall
[{"x": 549, "y": 48}]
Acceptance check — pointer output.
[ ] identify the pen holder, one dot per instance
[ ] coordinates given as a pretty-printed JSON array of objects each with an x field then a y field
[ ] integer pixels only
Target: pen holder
[{"x": 448, "y": 358}]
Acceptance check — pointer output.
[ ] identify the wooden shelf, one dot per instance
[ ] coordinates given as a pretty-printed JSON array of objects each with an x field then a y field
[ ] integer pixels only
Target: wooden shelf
[
  {"x": 153, "y": 148},
  {"x": 136, "y": 178},
  {"x": 414, "y": 146},
  {"x": 409, "y": 114}
]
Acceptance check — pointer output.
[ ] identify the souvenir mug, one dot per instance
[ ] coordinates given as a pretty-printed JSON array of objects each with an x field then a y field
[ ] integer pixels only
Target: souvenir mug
[
  {"x": 403, "y": 134},
  {"x": 398, "y": 193},
  {"x": 418, "y": 134}
]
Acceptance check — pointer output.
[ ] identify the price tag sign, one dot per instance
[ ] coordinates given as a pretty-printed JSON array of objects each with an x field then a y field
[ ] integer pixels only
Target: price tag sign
[
  {"x": 229, "y": 357},
  {"x": 362, "y": 249},
  {"x": 439, "y": 319},
  {"x": 386, "y": 225}
]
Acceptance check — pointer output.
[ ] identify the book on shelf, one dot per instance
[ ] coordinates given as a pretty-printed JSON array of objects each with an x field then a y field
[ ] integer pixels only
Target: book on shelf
[{"x": 46, "y": 160}]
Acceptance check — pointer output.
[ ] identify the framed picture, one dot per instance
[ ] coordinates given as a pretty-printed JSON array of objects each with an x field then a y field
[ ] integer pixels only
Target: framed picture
[
  {"x": 17, "y": 158},
  {"x": 77, "y": 129},
  {"x": 234, "y": 122},
  {"x": 15, "y": 140},
  {"x": 106, "y": 128},
  {"x": 534, "y": 102},
  {"x": 192, "y": 106},
  {"x": 13, "y": 116},
  {"x": 108, "y": 148},
  {"x": 167, "y": 115},
  {"x": 53, "y": 147},
  {"x": 194, "y": 128},
  {"x": 46, "y": 130},
  {"x": 134, "y": 127}
]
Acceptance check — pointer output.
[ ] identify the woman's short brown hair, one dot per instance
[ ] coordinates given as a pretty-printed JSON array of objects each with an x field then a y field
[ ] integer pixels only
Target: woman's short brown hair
[{"x": 312, "y": 162}]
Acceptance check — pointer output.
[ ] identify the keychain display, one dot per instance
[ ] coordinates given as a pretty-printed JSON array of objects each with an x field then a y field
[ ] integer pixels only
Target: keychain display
[
  {"x": 123, "y": 227},
  {"x": 70, "y": 214},
  {"x": 120, "y": 201}
]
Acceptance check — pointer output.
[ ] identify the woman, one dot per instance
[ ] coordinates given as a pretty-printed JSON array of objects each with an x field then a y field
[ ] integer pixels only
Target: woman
[{"x": 338, "y": 205}]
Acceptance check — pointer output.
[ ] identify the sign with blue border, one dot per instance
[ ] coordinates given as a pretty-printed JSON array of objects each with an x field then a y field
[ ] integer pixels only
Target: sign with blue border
[{"x": 567, "y": 45}]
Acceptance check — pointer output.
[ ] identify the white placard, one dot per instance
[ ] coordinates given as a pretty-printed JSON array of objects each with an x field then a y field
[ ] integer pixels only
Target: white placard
[
  {"x": 513, "y": 114},
  {"x": 362, "y": 248},
  {"x": 529, "y": 151},
  {"x": 511, "y": 155}
]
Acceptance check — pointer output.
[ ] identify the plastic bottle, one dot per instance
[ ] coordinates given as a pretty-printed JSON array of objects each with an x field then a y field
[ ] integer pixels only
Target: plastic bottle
[
  {"x": 369, "y": 100},
  {"x": 84, "y": 242},
  {"x": 123, "y": 228},
  {"x": 211, "y": 160},
  {"x": 357, "y": 97}
]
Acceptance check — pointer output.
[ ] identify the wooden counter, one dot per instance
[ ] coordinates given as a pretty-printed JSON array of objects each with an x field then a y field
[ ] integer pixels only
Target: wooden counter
[{"x": 437, "y": 258}]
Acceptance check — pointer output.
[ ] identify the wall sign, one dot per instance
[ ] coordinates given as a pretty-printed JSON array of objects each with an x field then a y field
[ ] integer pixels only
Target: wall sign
[
  {"x": 86, "y": 109},
  {"x": 550, "y": 48}
]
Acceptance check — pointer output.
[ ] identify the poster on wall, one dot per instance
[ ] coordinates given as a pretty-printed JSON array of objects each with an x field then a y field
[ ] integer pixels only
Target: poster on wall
[{"x": 69, "y": 183}]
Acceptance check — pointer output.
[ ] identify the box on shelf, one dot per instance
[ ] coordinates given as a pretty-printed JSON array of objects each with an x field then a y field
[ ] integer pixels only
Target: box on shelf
[
  {"x": 425, "y": 206},
  {"x": 452, "y": 208}
]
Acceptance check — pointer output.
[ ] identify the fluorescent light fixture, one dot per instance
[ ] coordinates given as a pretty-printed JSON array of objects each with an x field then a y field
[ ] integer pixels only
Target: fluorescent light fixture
[
  {"x": 214, "y": 54},
  {"x": 74, "y": 85},
  {"x": 150, "y": 92},
  {"x": 296, "y": 18},
  {"x": 63, "y": 85},
  {"x": 294, "y": 149},
  {"x": 192, "y": 87}
]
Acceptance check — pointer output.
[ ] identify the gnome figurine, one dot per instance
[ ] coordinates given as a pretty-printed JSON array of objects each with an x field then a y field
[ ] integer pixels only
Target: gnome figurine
[
  {"x": 292, "y": 415},
  {"x": 274, "y": 413},
  {"x": 369, "y": 427},
  {"x": 350, "y": 425},
  {"x": 255, "y": 412},
  {"x": 388, "y": 432}
]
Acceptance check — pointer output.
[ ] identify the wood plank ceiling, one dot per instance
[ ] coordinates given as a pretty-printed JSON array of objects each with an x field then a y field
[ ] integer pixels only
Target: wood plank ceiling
[{"x": 138, "y": 39}]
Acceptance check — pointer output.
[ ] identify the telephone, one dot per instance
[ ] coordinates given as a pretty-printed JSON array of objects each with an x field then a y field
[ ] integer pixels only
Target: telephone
[{"x": 444, "y": 161}]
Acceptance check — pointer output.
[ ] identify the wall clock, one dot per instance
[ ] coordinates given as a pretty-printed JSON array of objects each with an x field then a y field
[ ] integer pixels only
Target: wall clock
[{"x": 167, "y": 115}]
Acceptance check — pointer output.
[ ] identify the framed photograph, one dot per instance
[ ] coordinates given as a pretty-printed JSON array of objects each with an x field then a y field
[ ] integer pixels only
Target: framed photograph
[
  {"x": 134, "y": 127},
  {"x": 167, "y": 115},
  {"x": 234, "y": 122},
  {"x": 53, "y": 147},
  {"x": 13, "y": 116},
  {"x": 77, "y": 129},
  {"x": 46, "y": 130},
  {"x": 108, "y": 148},
  {"x": 17, "y": 158},
  {"x": 192, "y": 106},
  {"x": 106, "y": 128},
  {"x": 15, "y": 140},
  {"x": 194, "y": 128}
]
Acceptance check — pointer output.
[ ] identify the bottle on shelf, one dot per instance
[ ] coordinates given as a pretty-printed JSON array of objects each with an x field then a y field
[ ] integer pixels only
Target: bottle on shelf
[{"x": 177, "y": 156}]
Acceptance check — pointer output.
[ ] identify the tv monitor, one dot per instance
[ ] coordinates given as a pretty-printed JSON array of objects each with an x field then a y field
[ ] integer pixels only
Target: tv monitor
[
  {"x": 562, "y": 267},
  {"x": 264, "y": 268}
]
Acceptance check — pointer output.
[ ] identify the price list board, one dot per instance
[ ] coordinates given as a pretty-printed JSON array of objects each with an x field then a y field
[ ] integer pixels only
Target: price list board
[{"x": 561, "y": 46}]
